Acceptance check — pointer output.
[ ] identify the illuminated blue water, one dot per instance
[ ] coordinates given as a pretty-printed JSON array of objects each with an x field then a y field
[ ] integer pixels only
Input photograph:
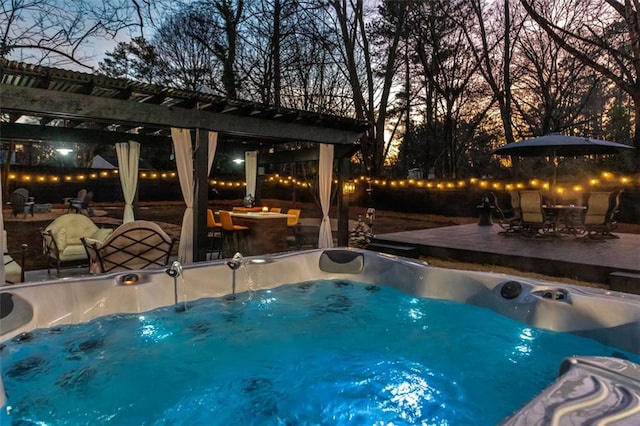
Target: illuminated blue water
[{"x": 329, "y": 352}]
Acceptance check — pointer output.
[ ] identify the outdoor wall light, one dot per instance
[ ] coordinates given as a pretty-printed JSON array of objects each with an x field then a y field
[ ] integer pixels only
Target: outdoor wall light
[{"x": 238, "y": 160}]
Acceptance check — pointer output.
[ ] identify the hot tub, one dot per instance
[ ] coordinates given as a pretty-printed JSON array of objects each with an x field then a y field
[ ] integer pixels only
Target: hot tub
[{"x": 588, "y": 387}]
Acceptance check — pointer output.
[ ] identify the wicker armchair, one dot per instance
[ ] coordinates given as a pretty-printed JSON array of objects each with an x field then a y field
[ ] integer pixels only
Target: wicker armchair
[{"x": 134, "y": 245}]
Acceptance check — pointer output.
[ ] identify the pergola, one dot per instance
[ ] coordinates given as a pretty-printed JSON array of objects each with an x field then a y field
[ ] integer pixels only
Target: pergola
[{"x": 40, "y": 103}]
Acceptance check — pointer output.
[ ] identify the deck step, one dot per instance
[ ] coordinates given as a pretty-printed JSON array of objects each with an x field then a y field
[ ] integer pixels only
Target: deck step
[
  {"x": 627, "y": 282},
  {"x": 395, "y": 249}
]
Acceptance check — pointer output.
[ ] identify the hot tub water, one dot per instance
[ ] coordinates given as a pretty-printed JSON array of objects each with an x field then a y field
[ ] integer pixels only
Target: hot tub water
[{"x": 325, "y": 352}]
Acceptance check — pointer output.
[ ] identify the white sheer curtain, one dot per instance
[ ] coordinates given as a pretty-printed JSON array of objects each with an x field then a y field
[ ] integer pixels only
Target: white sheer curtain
[
  {"x": 128, "y": 155},
  {"x": 184, "y": 163},
  {"x": 325, "y": 174},
  {"x": 250, "y": 171}
]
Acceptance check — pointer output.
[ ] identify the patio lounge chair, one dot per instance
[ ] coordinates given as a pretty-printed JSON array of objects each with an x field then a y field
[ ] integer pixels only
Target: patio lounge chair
[
  {"x": 80, "y": 204},
  {"x": 77, "y": 199},
  {"x": 61, "y": 240},
  {"x": 13, "y": 269},
  {"x": 599, "y": 220},
  {"x": 534, "y": 221},
  {"x": 20, "y": 203},
  {"x": 134, "y": 245}
]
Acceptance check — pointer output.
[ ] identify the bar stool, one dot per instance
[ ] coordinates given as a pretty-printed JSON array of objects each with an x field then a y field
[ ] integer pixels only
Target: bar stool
[
  {"x": 214, "y": 232},
  {"x": 231, "y": 232},
  {"x": 293, "y": 221}
]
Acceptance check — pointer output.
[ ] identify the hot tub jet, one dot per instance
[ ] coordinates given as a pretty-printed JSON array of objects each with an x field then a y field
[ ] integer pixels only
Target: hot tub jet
[
  {"x": 175, "y": 270},
  {"x": 236, "y": 262}
]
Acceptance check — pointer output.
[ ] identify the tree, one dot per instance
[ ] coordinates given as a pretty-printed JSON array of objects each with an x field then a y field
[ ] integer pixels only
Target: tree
[
  {"x": 135, "y": 60},
  {"x": 491, "y": 36},
  {"x": 554, "y": 89},
  {"x": 606, "y": 38},
  {"x": 369, "y": 60},
  {"x": 456, "y": 103},
  {"x": 60, "y": 33},
  {"x": 214, "y": 24},
  {"x": 184, "y": 58}
]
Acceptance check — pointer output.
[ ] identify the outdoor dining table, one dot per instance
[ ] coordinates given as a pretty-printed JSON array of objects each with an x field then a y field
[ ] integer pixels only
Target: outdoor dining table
[
  {"x": 567, "y": 218},
  {"x": 247, "y": 209},
  {"x": 267, "y": 232}
]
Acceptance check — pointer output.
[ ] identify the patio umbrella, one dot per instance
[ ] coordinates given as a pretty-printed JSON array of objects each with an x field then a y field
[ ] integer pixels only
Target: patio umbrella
[{"x": 558, "y": 145}]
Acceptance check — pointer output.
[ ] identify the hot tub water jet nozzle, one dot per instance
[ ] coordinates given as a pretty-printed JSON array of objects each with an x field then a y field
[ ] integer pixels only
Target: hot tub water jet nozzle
[
  {"x": 175, "y": 271},
  {"x": 236, "y": 262}
]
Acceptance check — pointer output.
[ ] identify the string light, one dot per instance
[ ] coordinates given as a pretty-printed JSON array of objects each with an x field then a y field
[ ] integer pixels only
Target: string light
[{"x": 483, "y": 184}]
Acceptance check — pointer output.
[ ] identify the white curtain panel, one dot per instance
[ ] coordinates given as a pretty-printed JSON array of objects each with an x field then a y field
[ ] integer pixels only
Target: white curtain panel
[
  {"x": 128, "y": 156},
  {"x": 251, "y": 171},
  {"x": 184, "y": 162},
  {"x": 325, "y": 173}
]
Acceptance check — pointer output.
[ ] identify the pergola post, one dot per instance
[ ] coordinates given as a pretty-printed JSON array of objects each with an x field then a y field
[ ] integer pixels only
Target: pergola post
[
  {"x": 343, "y": 201},
  {"x": 200, "y": 196}
]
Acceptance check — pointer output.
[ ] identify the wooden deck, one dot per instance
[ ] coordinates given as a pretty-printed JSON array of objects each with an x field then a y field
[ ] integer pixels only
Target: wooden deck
[{"x": 585, "y": 260}]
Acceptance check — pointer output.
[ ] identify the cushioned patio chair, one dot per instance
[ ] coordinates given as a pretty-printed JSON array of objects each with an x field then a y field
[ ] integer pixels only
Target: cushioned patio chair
[
  {"x": 62, "y": 240},
  {"x": 13, "y": 269},
  {"x": 534, "y": 221},
  {"x": 139, "y": 244}
]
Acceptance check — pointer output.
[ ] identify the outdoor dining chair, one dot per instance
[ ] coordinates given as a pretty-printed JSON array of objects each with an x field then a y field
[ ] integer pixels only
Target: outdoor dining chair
[
  {"x": 599, "y": 220},
  {"x": 509, "y": 220}
]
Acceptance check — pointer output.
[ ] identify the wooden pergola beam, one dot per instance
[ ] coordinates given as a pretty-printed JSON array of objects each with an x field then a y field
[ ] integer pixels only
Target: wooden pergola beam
[
  {"x": 34, "y": 101},
  {"x": 30, "y": 132}
]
